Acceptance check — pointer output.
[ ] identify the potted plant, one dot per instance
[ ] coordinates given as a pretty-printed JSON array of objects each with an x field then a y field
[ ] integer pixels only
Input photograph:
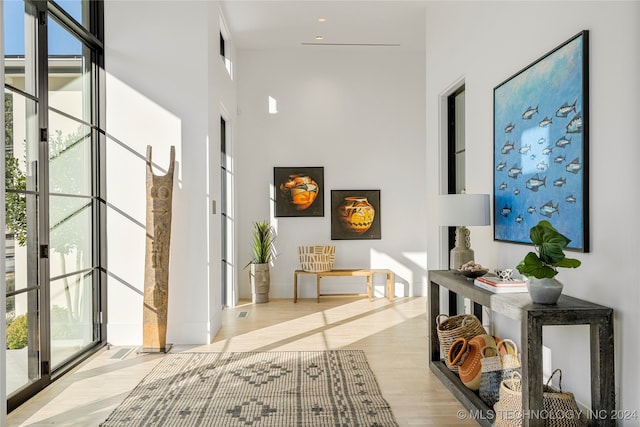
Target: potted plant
[
  {"x": 540, "y": 267},
  {"x": 263, "y": 252}
]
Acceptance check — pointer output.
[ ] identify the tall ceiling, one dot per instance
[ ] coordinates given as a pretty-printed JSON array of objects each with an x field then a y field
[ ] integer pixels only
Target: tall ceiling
[{"x": 355, "y": 24}]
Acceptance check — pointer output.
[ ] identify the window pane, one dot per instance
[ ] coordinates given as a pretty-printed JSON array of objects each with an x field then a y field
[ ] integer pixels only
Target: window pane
[
  {"x": 21, "y": 141},
  {"x": 75, "y": 9},
  {"x": 460, "y": 124},
  {"x": 22, "y": 332},
  {"x": 20, "y": 45},
  {"x": 71, "y": 316},
  {"x": 21, "y": 244},
  {"x": 460, "y": 172},
  {"x": 69, "y": 156},
  {"x": 69, "y": 73},
  {"x": 70, "y": 234}
]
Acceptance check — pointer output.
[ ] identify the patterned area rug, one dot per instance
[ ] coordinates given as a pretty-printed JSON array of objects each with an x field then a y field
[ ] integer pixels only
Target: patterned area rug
[{"x": 317, "y": 388}]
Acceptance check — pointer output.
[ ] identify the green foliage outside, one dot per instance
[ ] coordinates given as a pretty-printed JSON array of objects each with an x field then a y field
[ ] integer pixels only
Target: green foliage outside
[
  {"x": 17, "y": 333},
  {"x": 11, "y": 286},
  {"x": 61, "y": 329},
  {"x": 15, "y": 204}
]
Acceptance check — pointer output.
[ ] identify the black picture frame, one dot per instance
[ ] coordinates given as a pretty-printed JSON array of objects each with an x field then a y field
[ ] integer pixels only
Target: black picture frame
[
  {"x": 541, "y": 141},
  {"x": 295, "y": 185},
  {"x": 355, "y": 215}
]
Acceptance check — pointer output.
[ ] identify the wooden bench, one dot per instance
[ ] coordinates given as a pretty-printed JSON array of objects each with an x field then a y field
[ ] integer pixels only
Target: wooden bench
[{"x": 368, "y": 273}]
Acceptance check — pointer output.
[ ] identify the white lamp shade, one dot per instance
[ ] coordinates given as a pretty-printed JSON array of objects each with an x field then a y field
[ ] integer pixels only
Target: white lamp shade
[{"x": 464, "y": 209}]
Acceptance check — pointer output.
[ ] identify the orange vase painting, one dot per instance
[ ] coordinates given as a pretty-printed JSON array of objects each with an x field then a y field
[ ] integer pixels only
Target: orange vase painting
[
  {"x": 299, "y": 191},
  {"x": 355, "y": 214}
]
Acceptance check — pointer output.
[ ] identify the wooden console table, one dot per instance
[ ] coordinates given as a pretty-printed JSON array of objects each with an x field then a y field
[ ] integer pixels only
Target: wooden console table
[
  {"x": 532, "y": 317},
  {"x": 368, "y": 273}
]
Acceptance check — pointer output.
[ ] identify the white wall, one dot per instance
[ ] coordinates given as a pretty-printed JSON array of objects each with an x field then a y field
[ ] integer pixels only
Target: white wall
[
  {"x": 360, "y": 115},
  {"x": 485, "y": 43},
  {"x": 166, "y": 84}
]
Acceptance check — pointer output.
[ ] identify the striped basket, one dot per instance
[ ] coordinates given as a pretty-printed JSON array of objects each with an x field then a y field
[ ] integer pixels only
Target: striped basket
[
  {"x": 317, "y": 258},
  {"x": 496, "y": 368}
]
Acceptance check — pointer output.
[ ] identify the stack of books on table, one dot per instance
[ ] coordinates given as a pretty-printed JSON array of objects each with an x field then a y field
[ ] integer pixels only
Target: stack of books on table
[{"x": 499, "y": 286}]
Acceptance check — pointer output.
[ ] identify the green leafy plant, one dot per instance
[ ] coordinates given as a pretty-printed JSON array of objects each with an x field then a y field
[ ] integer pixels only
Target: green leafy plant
[
  {"x": 549, "y": 253},
  {"x": 15, "y": 179},
  {"x": 17, "y": 333},
  {"x": 262, "y": 243}
]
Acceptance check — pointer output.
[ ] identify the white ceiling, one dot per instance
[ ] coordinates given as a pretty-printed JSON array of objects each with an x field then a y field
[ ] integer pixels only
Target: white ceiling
[{"x": 270, "y": 24}]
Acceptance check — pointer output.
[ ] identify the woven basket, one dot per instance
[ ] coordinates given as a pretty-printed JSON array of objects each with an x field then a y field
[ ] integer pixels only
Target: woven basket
[
  {"x": 317, "y": 258},
  {"x": 559, "y": 407},
  {"x": 465, "y": 326},
  {"x": 467, "y": 356},
  {"x": 496, "y": 367}
]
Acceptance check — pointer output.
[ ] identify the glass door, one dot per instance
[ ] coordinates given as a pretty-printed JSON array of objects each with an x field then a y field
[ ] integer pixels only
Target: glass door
[
  {"x": 54, "y": 198},
  {"x": 71, "y": 203},
  {"x": 226, "y": 212},
  {"x": 23, "y": 201},
  {"x": 456, "y": 181}
]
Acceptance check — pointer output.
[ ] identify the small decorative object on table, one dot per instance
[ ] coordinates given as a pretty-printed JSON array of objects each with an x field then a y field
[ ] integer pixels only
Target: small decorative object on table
[
  {"x": 540, "y": 268},
  {"x": 471, "y": 270},
  {"x": 317, "y": 258},
  {"x": 504, "y": 273}
]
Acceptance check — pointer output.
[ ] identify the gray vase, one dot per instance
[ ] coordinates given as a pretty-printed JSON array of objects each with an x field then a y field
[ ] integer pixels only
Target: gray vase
[
  {"x": 260, "y": 283},
  {"x": 544, "y": 291}
]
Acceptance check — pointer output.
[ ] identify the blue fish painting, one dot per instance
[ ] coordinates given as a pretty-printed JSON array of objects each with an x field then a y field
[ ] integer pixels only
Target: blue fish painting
[
  {"x": 514, "y": 172},
  {"x": 535, "y": 182},
  {"x": 575, "y": 125},
  {"x": 549, "y": 208},
  {"x": 541, "y": 110},
  {"x": 545, "y": 122},
  {"x": 563, "y": 142},
  {"x": 560, "y": 182},
  {"x": 566, "y": 109},
  {"x": 529, "y": 112}
]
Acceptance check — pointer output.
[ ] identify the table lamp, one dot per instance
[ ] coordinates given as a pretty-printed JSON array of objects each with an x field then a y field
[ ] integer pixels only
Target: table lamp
[{"x": 462, "y": 210}]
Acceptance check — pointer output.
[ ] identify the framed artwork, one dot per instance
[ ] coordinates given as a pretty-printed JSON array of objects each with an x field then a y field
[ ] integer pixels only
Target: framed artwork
[
  {"x": 540, "y": 152},
  {"x": 355, "y": 214},
  {"x": 299, "y": 191}
]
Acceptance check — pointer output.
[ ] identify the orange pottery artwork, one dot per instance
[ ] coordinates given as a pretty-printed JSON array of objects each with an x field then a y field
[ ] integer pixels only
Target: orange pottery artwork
[
  {"x": 298, "y": 191},
  {"x": 301, "y": 191},
  {"x": 356, "y": 214}
]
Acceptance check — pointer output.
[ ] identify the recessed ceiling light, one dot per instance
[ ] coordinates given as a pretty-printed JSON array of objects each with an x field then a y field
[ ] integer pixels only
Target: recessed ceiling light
[
  {"x": 319, "y": 37},
  {"x": 322, "y": 19}
]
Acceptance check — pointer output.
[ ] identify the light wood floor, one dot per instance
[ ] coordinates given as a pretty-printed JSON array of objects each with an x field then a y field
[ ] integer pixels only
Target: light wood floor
[{"x": 393, "y": 336}]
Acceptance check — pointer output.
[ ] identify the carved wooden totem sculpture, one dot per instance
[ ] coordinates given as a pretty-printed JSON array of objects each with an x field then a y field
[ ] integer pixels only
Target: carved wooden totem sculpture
[{"x": 156, "y": 272}]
